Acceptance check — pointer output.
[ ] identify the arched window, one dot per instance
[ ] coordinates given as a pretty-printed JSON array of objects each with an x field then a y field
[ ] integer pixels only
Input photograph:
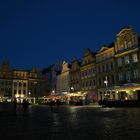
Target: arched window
[{"x": 129, "y": 44}]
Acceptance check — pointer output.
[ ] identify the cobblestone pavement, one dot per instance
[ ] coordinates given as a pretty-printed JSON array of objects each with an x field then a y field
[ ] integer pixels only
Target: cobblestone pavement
[{"x": 70, "y": 123}]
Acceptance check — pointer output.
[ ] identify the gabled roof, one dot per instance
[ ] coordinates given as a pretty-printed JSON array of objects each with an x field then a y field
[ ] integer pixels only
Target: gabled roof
[
  {"x": 124, "y": 29},
  {"x": 46, "y": 70},
  {"x": 104, "y": 48}
]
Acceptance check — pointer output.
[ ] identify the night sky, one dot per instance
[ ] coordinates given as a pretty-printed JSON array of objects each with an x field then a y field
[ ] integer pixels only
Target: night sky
[{"x": 38, "y": 33}]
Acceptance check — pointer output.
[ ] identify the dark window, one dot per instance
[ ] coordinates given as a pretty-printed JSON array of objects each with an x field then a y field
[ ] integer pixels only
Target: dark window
[
  {"x": 24, "y": 84},
  {"x": 111, "y": 65},
  {"x": 112, "y": 78},
  {"x": 15, "y": 84},
  {"x": 19, "y": 91},
  {"x": 99, "y": 81},
  {"x": 106, "y": 67},
  {"x": 19, "y": 84},
  {"x": 24, "y": 92},
  {"x": 15, "y": 91}
]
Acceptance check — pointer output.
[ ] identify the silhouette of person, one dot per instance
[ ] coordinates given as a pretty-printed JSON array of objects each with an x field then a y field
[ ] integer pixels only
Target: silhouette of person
[
  {"x": 25, "y": 104},
  {"x": 15, "y": 105},
  {"x": 51, "y": 104}
]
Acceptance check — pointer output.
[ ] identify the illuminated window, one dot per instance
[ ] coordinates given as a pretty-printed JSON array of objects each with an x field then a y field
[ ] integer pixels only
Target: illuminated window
[
  {"x": 135, "y": 57},
  {"x": 127, "y": 60}
]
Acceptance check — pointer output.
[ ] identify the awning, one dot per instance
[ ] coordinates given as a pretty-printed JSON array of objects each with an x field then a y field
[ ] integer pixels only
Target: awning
[{"x": 127, "y": 86}]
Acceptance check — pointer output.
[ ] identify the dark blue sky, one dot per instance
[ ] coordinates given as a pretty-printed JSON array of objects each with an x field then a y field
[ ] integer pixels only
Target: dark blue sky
[{"x": 37, "y": 33}]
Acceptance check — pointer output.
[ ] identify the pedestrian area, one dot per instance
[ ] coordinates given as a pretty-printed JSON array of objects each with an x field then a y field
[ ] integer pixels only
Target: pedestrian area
[{"x": 69, "y": 123}]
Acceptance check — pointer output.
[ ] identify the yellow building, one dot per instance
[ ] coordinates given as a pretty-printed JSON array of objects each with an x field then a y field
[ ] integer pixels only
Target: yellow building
[
  {"x": 19, "y": 84},
  {"x": 122, "y": 80}
]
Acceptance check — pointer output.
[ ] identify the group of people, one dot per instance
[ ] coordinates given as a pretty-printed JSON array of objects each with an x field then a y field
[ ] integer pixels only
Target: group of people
[
  {"x": 24, "y": 104},
  {"x": 54, "y": 103}
]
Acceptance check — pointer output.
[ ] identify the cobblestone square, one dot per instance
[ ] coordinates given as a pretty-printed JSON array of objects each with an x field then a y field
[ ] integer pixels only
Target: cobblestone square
[{"x": 70, "y": 123}]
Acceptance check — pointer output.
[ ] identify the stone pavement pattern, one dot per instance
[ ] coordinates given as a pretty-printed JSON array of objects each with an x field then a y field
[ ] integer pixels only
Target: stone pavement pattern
[{"x": 70, "y": 123}]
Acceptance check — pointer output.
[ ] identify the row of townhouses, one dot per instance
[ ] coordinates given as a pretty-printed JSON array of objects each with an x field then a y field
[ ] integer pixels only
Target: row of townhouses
[
  {"x": 19, "y": 84},
  {"x": 112, "y": 73}
]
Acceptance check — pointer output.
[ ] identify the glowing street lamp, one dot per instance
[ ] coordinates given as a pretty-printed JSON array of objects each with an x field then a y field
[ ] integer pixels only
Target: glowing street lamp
[
  {"x": 106, "y": 81},
  {"x": 72, "y": 89},
  {"x": 29, "y": 93},
  {"x": 53, "y": 91}
]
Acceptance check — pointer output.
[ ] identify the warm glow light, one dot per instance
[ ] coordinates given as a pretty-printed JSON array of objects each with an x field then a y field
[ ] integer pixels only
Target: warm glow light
[
  {"x": 72, "y": 88},
  {"x": 17, "y": 95},
  {"x": 22, "y": 95}
]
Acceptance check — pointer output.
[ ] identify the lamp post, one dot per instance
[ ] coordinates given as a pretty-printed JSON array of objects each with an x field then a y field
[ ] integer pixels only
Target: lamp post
[
  {"x": 72, "y": 89},
  {"x": 53, "y": 92},
  {"x": 29, "y": 93},
  {"x": 106, "y": 84}
]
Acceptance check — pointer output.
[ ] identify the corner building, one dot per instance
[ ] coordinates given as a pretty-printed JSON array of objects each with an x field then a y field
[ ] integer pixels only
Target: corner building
[{"x": 118, "y": 68}]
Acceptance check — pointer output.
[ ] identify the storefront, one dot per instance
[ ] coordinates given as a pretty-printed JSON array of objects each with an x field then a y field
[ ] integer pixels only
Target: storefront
[{"x": 129, "y": 91}]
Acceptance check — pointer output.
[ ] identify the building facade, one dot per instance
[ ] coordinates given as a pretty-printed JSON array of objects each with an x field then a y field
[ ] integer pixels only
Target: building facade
[
  {"x": 127, "y": 58},
  {"x": 5, "y": 81},
  {"x": 88, "y": 75},
  {"x": 75, "y": 76},
  {"x": 63, "y": 79},
  {"x": 106, "y": 76},
  {"x": 118, "y": 74},
  {"x": 19, "y": 84},
  {"x": 50, "y": 78}
]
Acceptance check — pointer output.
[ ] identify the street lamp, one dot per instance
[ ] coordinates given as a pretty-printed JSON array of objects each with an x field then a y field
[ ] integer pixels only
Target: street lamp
[
  {"x": 106, "y": 84},
  {"x": 72, "y": 89},
  {"x": 106, "y": 81},
  {"x": 29, "y": 93},
  {"x": 53, "y": 91}
]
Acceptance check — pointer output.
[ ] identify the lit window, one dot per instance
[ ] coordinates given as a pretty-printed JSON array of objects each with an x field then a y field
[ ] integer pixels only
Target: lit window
[
  {"x": 127, "y": 60},
  {"x": 135, "y": 57}
]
